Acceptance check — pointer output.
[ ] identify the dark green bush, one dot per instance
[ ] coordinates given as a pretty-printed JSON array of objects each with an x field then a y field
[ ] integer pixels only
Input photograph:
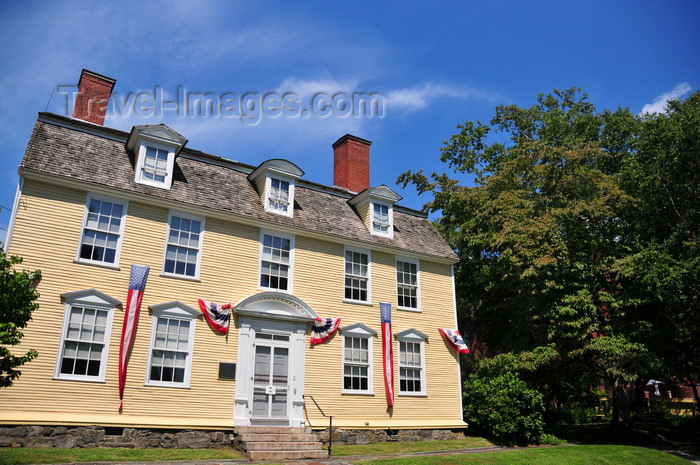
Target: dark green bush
[{"x": 504, "y": 408}]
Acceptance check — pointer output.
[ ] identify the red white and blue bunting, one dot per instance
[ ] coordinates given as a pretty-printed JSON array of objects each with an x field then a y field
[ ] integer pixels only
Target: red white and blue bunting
[
  {"x": 455, "y": 339},
  {"x": 218, "y": 316},
  {"x": 323, "y": 329}
]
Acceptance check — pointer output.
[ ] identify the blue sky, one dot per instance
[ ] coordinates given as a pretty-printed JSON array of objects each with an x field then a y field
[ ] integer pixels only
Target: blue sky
[{"x": 434, "y": 65}]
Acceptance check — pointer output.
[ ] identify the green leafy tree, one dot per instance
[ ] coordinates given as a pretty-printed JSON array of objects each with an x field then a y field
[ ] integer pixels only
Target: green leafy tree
[
  {"x": 540, "y": 237},
  {"x": 17, "y": 301}
]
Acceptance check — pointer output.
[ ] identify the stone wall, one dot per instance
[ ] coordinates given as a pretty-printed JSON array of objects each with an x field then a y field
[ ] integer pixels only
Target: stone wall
[
  {"x": 96, "y": 436},
  {"x": 65, "y": 437},
  {"x": 368, "y": 436}
]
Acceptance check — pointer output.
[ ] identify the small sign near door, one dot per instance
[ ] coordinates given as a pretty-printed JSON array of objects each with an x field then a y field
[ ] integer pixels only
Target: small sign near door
[{"x": 270, "y": 390}]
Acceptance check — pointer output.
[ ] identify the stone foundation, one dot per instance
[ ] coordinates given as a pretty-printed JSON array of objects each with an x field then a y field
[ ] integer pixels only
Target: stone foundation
[
  {"x": 368, "y": 436},
  {"x": 64, "y": 437}
]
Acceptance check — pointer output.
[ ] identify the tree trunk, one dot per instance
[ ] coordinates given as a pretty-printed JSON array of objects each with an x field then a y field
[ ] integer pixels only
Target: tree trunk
[
  {"x": 621, "y": 404},
  {"x": 695, "y": 393}
]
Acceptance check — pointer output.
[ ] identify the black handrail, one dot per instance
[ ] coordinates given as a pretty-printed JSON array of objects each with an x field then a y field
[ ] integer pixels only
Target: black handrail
[{"x": 330, "y": 424}]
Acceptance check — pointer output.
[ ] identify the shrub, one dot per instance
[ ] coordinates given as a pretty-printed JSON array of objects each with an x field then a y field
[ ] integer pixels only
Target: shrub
[{"x": 504, "y": 408}]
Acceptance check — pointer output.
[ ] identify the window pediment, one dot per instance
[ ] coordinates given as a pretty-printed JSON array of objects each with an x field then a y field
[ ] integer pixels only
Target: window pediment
[
  {"x": 174, "y": 308},
  {"x": 358, "y": 330},
  {"x": 411, "y": 334},
  {"x": 90, "y": 297}
]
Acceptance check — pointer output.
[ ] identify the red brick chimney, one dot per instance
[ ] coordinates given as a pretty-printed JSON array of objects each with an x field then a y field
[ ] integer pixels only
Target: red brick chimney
[
  {"x": 351, "y": 163},
  {"x": 92, "y": 101}
]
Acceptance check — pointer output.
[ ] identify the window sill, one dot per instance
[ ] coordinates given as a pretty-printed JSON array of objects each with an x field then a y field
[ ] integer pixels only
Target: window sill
[
  {"x": 409, "y": 309},
  {"x": 98, "y": 264},
  {"x": 167, "y": 386},
  {"x": 80, "y": 380},
  {"x": 357, "y": 302},
  {"x": 194, "y": 279},
  {"x": 412, "y": 394},
  {"x": 356, "y": 393}
]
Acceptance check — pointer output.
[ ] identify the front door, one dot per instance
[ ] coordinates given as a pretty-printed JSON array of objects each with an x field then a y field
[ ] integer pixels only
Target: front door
[{"x": 270, "y": 378}]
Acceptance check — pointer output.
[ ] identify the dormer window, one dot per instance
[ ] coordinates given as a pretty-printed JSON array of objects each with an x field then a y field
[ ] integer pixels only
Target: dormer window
[
  {"x": 376, "y": 209},
  {"x": 381, "y": 221},
  {"x": 155, "y": 165},
  {"x": 278, "y": 199},
  {"x": 275, "y": 180},
  {"x": 155, "y": 147}
]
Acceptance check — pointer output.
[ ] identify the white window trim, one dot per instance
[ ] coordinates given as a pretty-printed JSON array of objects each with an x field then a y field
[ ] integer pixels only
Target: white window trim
[
  {"x": 390, "y": 230},
  {"x": 201, "y": 219},
  {"x": 117, "y": 254},
  {"x": 358, "y": 330},
  {"x": 414, "y": 336},
  {"x": 268, "y": 190},
  {"x": 141, "y": 160},
  {"x": 418, "y": 308},
  {"x": 173, "y": 310},
  {"x": 369, "y": 275},
  {"x": 290, "y": 274},
  {"x": 93, "y": 299}
]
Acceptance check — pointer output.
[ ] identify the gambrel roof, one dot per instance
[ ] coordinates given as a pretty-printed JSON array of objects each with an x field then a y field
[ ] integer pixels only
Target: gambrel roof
[{"x": 65, "y": 150}]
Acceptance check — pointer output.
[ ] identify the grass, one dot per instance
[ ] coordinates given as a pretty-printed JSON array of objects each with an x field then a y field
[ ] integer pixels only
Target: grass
[
  {"x": 24, "y": 456},
  {"x": 574, "y": 455},
  {"x": 384, "y": 448},
  {"x": 684, "y": 437},
  {"x": 599, "y": 444}
]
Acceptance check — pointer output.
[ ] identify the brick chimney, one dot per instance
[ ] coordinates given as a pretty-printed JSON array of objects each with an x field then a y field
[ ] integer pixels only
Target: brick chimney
[
  {"x": 92, "y": 100},
  {"x": 351, "y": 163}
]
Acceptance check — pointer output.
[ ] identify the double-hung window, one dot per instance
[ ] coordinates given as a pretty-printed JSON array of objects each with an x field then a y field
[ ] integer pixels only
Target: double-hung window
[
  {"x": 411, "y": 362},
  {"x": 279, "y": 196},
  {"x": 183, "y": 247},
  {"x": 276, "y": 257},
  {"x": 381, "y": 219},
  {"x": 357, "y": 275},
  {"x": 103, "y": 228},
  {"x": 172, "y": 340},
  {"x": 357, "y": 359},
  {"x": 154, "y": 169},
  {"x": 87, "y": 325},
  {"x": 407, "y": 284}
]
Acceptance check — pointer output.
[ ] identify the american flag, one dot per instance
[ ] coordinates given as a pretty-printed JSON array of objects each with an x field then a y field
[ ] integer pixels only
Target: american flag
[
  {"x": 137, "y": 284},
  {"x": 323, "y": 329},
  {"x": 455, "y": 339},
  {"x": 387, "y": 353},
  {"x": 218, "y": 316}
]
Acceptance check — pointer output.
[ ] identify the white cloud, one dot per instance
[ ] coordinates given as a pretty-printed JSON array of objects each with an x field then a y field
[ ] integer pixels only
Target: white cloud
[
  {"x": 418, "y": 97},
  {"x": 660, "y": 102}
]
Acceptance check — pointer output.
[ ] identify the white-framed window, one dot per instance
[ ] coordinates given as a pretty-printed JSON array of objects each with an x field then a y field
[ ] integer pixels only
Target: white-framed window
[
  {"x": 357, "y": 275},
  {"x": 407, "y": 284},
  {"x": 357, "y": 359},
  {"x": 172, "y": 342},
  {"x": 382, "y": 219},
  {"x": 183, "y": 245},
  {"x": 280, "y": 196},
  {"x": 276, "y": 260},
  {"x": 87, "y": 326},
  {"x": 103, "y": 229},
  {"x": 155, "y": 165},
  {"x": 411, "y": 362}
]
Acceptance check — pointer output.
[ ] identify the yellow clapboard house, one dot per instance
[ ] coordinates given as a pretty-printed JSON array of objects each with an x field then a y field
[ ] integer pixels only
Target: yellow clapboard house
[{"x": 284, "y": 251}]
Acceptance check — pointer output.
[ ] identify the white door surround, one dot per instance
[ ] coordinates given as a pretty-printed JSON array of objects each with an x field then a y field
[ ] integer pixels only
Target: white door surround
[{"x": 271, "y": 359}]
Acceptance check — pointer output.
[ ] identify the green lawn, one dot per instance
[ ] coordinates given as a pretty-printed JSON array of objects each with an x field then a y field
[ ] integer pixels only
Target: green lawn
[
  {"x": 23, "y": 456},
  {"x": 562, "y": 455},
  {"x": 383, "y": 448}
]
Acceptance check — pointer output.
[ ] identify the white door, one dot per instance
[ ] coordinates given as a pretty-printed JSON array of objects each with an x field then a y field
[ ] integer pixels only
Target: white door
[{"x": 271, "y": 383}]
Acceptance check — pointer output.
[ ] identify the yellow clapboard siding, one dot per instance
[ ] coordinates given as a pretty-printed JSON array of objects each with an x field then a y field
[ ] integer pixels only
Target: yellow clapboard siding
[{"x": 47, "y": 234}]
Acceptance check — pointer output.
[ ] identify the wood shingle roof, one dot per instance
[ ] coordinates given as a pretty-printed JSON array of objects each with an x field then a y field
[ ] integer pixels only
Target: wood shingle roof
[{"x": 96, "y": 156}]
